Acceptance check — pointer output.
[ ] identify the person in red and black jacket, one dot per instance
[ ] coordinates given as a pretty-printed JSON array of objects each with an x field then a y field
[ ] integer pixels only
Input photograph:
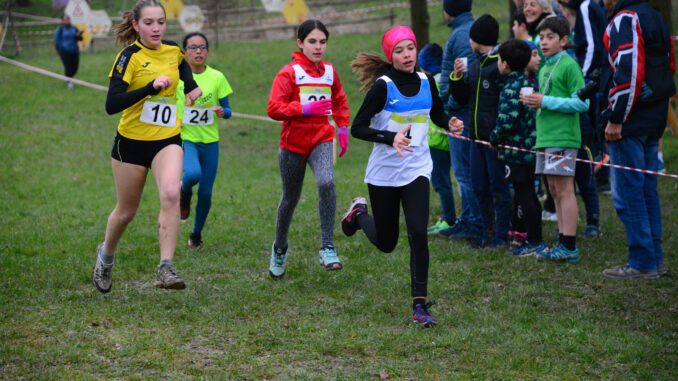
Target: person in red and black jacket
[
  {"x": 638, "y": 88},
  {"x": 304, "y": 93}
]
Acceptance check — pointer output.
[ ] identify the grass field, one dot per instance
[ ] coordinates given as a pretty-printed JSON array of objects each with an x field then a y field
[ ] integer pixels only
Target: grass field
[{"x": 500, "y": 317}]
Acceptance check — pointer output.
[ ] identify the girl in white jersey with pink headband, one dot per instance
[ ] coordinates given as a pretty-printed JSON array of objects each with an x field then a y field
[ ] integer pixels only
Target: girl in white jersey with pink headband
[{"x": 398, "y": 106}]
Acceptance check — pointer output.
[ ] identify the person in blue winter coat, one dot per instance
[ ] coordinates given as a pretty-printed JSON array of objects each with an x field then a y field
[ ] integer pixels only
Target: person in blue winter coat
[{"x": 66, "y": 40}]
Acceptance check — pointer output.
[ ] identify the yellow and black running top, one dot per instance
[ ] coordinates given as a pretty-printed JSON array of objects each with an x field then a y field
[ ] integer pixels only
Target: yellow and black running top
[{"x": 148, "y": 114}]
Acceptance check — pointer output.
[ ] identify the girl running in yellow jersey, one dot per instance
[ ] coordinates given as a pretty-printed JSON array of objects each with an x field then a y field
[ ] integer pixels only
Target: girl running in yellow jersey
[{"x": 143, "y": 82}]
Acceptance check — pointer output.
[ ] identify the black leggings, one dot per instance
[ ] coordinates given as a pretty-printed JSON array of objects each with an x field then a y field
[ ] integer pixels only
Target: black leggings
[
  {"x": 526, "y": 202},
  {"x": 383, "y": 229}
]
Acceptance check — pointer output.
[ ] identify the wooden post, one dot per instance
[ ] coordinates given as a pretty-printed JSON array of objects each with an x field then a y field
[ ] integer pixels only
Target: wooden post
[
  {"x": 390, "y": 11},
  {"x": 420, "y": 21},
  {"x": 8, "y": 23}
]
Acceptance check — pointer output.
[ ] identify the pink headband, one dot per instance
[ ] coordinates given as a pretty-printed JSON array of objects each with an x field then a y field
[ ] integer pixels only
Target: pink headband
[{"x": 393, "y": 37}]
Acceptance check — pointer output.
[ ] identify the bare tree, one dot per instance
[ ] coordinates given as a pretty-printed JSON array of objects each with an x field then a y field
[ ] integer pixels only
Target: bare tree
[{"x": 420, "y": 21}]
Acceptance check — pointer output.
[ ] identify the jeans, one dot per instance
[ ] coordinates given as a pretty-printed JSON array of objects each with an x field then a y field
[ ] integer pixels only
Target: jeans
[
  {"x": 635, "y": 197},
  {"x": 461, "y": 165},
  {"x": 491, "y": 191},
  {"x": 200, "y": 166},
  {"x": 442, "y": 183}
]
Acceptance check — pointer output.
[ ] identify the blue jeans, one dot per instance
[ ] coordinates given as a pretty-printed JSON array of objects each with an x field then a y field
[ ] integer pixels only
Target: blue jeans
[
  {"x": 460, "y": 155},
  {"x": 635, "y": 197},
  {"x": 491, "y": 191},
  {"x": 442, "y": 183},
  {"x": 200, "y": 166}
]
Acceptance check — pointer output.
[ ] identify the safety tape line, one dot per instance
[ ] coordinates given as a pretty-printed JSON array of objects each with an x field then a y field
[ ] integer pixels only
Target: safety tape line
[
  {"x": 554, "y": 155},
  {"x": 103, "y": 88}
]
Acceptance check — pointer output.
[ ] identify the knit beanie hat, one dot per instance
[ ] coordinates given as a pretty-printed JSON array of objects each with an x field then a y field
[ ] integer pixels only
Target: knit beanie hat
[
  {"x": 531, "y": 45},
  {"x": 485, "y": 31},
  {"x": 393, "y": 37},
  {"x": 430, "y": 58},
  {"x": 456, "y": 7}
]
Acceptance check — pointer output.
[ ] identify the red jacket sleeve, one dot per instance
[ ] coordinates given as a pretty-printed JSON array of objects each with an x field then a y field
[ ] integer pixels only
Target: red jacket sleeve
[
  {"x": 281, "y": 103},
  {"x": 340, "y": 111}
]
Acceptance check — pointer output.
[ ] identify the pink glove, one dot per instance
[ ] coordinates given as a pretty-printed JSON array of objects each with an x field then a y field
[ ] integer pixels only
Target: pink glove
[
  {"x": 343, "y": 140},
  {"x": 317, "y": 108}
]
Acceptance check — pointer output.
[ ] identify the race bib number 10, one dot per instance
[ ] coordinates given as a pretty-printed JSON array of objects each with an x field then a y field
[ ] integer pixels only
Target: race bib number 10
[
  {"x": 198, "y": 115},
  {"x": 160, "y": 111}
]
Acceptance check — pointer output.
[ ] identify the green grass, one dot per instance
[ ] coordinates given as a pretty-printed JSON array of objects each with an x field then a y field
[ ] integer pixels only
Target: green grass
[{"x": 500, "y": 317}]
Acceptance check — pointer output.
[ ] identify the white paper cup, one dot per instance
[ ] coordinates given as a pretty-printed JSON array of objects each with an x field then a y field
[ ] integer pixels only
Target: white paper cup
[
  {"x": 526, "y": 91},
  {"x": 464, "y": 61}
]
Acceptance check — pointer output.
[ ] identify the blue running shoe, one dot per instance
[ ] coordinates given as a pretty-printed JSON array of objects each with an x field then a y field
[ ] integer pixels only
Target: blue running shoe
[
  {"x": 349, "y": 224},
  {"x": 329, "y": 258},
  {"x": 527, "y": 249},
  {"x": 278, "y": 263},
  {"x": 421, "y": 316},
  {"x": 559, "y": 253},
  {"x": 591, "y": 231}
]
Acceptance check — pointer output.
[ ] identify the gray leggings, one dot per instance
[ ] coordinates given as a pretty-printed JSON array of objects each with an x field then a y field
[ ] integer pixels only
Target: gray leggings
[{"x": 292, "y": 170}]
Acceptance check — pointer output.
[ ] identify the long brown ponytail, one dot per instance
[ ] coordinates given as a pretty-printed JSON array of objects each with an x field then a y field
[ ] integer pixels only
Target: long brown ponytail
[
  {"x": 124, "y": 32},
  {"x": 368, "y": 68}
]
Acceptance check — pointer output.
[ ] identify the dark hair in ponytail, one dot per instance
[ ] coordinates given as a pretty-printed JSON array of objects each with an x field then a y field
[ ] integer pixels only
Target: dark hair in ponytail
[
  {"x": 368, "y": 68},
  {"x": 308, "y": 26},
  {"x": 193, "y": 34},
  {"x": 124, "y": 32}
]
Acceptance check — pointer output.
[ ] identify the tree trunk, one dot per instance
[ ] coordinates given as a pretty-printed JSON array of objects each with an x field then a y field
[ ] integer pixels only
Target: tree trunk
[
  {"x": 664, "y": 7},
  {"x": 420, "y": 21}
]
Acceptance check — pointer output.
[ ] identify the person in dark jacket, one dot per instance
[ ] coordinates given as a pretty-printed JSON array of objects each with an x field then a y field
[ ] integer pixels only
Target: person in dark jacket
[
  {"x": 478, "y": 88},
  {"x": 66, "y": 40},
  {"x": 640, "y": 51}
]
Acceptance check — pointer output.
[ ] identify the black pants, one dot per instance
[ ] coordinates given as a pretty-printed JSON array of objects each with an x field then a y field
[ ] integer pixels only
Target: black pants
[
  {"x": 383, "y": 229},
  {"x": 70, "y": 61},
  {"x": 526, "y": 203}
]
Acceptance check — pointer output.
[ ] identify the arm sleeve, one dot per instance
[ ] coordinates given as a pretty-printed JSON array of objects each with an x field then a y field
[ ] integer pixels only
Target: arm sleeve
[
  {"x": 280, "y": 105},
  {"x": 223, "y": 102},
  {"x": 78, "y": 34},
  {"x": 624, "y": 44},
  {"x": 340, "y": 111},
  {"x": 590, "y": 45},
  {"x": 565, "y": 105},
  {"x": 119, "y": 99},
  {"x": 57, "y": 39},
  {"x": 446, "y": 68},
  {"x": 374, "y": 102},
  {"x": 437, "y": 113},
  {"x": 186, "y": 75},
  {"x": 459, "y": 89}
]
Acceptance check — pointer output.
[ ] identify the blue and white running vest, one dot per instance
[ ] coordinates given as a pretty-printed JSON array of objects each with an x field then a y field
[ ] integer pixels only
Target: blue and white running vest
[{"x": 385, "y": 166}]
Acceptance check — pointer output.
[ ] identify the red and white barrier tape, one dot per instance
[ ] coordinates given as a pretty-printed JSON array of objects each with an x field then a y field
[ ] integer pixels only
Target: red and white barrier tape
[
  {"x": 103, "y": 88},
  {"x": 554, "y": 155}
]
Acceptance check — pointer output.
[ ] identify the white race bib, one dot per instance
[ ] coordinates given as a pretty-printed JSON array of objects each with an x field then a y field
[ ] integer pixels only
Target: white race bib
[
  {"x": 309, "y": 94},
  {"x": 418, "y": 127},
  {"x": 160, "y": 111},
  {"x": 198, "y": 115}
]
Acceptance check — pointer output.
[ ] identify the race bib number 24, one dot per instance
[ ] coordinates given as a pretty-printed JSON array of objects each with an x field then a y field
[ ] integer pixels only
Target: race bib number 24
[{"x": 199, "y": 115}]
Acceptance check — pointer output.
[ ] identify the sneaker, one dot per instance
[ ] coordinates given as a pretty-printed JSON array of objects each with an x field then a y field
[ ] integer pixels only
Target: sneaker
[
  {"x": 278, "y": 263},
  {"x": 517, "y": 238},
  {"x": 591, "y": 231},
  {"x": 465, "y": 232},
  {"x": 329, "y": 258},
  {"x": 498, "y": 243},
  {"x": 661, "y": 269},
  {"x": 559, "y": 253},
  {"x": 438, "y": 226},
  {"x": 548, "y": 216},
  {"x": 69, "y": 84},
  {"x": 421, "y": 316},
  {"x": 628, "y": 272},
  {"x": 527, "y": 249},
  {"x": 348, "y": 221},
  {"x": 604, "y": 189},
  {"x": 185, "y": 204},
  {"x": 168, "y": 278},
  {"x": 102, "y": 274},
  {"x": 455, "y": 228},
  {"x": 195, "y": 241}
]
